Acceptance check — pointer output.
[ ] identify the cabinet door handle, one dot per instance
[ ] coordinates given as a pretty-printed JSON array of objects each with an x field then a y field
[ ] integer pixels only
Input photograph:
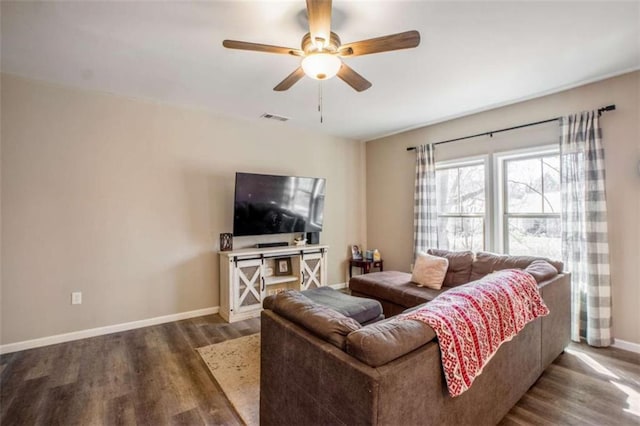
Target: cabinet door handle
[{"x": 263, "y": 285}]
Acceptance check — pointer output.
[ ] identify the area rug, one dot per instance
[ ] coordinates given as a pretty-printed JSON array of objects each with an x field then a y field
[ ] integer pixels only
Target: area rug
[{"x": 235, "y": 364}]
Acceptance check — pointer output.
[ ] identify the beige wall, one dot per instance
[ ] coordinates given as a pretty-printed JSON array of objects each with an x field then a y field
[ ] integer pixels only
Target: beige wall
[
  {"x": 390, "y": 177},
  {"x": 124, "y": 200}
]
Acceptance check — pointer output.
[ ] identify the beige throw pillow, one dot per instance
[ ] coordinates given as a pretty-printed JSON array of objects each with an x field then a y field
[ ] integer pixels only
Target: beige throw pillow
[{"x": 429, "y": 271}]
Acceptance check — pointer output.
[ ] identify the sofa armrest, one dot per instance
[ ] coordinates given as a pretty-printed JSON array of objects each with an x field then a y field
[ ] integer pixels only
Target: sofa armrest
[
  {"x": 306, "y": 380},
  {"x": 556, "y": 327}
]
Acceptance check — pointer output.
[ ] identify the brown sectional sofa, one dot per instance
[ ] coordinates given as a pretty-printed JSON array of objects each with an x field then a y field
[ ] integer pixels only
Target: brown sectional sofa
[{"x": 320, "y": 367}]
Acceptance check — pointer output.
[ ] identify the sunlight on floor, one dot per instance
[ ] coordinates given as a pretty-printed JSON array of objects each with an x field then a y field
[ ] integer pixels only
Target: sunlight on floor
[
  {"x": 633, "y": 396},
  {"x": 592, "y": 363}
]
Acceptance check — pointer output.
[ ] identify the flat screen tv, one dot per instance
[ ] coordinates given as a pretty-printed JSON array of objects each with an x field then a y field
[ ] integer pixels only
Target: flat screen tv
[{"x": 269, "y": 204}]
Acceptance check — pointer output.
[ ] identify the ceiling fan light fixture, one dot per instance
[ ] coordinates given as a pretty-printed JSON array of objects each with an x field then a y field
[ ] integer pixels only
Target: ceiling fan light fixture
[{"x": 321, "y": 66}]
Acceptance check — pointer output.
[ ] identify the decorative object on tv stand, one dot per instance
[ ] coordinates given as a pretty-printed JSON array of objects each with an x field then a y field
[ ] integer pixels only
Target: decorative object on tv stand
[
  {"x": 299, "y": 241},
  {"x": 356, "y": 254},
  {"x": 276, "y": 244},
  {"x": 283, "y": 266},
  {"x": 313, "y": 237},
  {"x": 226, "y": 241}
]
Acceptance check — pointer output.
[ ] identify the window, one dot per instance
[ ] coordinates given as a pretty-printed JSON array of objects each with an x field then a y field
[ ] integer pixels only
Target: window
[
  {"x": 461, "y": 204},
  {"x": 525, "y": 199},
  {"x": 530, "y": 204}
]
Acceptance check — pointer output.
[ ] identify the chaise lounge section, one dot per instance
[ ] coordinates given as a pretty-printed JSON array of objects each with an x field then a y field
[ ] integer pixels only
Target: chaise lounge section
[{"x": 396, "y": 292}]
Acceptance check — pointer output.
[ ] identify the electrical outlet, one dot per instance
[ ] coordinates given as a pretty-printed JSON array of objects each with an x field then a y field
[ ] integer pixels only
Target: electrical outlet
[{"x": 76, "y": 298}]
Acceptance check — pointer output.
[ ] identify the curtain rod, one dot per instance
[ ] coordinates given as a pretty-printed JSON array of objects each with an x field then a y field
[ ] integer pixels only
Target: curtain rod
[{"x": 490, "y": 133}]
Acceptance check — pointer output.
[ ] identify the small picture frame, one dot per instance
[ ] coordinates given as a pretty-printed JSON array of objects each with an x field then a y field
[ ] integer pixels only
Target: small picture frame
[
  {"x": 282, "y": 266},
  {"x": 226, "y": 242},
  {"x": 356, "y": 254}
]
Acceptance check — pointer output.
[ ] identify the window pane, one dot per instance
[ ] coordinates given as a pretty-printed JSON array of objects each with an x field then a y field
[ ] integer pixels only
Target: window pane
[
  {"x": 461, "y": 189},
  {"x": 535, "y": 237},
  {"x": 447, "y": 191},
  {"x": 457, "y": 233},
  {"x": 551, "y": 170},
  {"x": 472, "y": 189},
  {"x": 524, "y": 186}
]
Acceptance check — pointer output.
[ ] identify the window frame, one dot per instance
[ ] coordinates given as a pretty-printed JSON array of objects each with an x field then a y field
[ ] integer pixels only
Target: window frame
[
  {"x": 488, "y": 205},
  {"x": 501, "y": 243},
  {"x": 495, "y": 216}
]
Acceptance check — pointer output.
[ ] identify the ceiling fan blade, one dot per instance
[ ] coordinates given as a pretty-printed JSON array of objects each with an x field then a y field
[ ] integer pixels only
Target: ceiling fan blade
[
  {"x": 319, "y": 12},
  {"x": 257, "y": 47},
  {"x": 405, "y": 40},
  {"x": 290, "y": 80},
  {"x": 353, "y": 79}
]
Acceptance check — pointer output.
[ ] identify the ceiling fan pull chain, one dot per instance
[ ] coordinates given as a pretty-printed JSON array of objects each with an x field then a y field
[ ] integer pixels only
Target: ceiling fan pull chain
[{"x": 320, "y": 106}]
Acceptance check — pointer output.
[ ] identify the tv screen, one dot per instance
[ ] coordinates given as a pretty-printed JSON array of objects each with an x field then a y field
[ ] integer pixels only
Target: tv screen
[{"x": 269, "y": 204}]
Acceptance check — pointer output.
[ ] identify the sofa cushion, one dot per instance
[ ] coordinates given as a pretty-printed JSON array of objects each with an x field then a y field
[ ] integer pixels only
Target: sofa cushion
[
  {"x": 382, "y": 342},
  {"x": 541, "y": 270},
  {"x": 429, "y": 271},
  {"x": 360, "y": 309},
  {"x": 322, "y": 321},
  {"x": 485, "y": 263},
  {"x": 392, "y": 286},
  {"x": 459, "y": 271}
]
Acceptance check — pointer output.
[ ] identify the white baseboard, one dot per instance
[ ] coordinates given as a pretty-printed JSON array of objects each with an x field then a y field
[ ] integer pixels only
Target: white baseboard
[
  {"x": 99, "y": 331},
  {"x": 627, "y": 346}
]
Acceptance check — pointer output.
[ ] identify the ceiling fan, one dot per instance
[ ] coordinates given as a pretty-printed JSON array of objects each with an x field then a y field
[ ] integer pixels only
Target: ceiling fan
[{"x": 322, "y": 52}]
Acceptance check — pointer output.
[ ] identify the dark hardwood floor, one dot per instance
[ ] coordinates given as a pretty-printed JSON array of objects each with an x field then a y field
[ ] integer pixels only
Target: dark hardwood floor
[
  {"x": 583, "y": 386},
  {"x": 148, "y": 376},
  {"x": 153, "y": 376}
]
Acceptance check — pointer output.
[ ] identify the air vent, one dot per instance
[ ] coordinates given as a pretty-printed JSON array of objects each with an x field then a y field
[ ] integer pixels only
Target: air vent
[{"x": 274, "y": 117}]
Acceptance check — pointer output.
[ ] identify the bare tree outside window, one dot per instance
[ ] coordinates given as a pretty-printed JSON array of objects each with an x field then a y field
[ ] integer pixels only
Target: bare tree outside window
[
  {"x": 461, "y": 207},
  {"x": 532, "y": 206}
]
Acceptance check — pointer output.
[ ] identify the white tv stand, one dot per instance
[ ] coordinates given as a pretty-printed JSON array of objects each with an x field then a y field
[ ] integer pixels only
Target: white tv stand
[{"x": 244, "y": 282}]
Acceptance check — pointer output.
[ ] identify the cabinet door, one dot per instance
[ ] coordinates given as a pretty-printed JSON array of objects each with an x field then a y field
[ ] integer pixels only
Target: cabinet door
[
  {"x": 312, "y": 271},
  {"x": 248, "y": 285}
]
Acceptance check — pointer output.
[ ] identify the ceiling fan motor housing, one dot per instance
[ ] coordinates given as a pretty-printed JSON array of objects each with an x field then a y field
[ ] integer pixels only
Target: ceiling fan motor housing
[{"x": 330, "y": 46}]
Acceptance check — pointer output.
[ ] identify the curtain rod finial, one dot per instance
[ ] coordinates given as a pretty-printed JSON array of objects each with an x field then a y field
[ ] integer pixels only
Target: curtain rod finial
[{"x": 607, "y": 108}]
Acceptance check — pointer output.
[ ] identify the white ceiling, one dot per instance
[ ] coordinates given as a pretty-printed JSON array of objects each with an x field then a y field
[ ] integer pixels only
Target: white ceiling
[{"x": 473, "y": 55}]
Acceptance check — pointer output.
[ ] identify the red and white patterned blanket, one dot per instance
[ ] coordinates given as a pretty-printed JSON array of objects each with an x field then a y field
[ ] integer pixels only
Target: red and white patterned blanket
[{"x": 473, "y": 320}]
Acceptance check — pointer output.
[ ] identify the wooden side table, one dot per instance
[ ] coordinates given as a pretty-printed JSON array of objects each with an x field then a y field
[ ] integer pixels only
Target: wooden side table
[{"x": 365, "y": 265}]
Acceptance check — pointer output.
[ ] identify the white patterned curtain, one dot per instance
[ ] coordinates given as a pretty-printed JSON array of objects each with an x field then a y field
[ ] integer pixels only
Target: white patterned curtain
[
  {"x": 425, "y": 225},
  {"x": 585, "y": 246}
]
